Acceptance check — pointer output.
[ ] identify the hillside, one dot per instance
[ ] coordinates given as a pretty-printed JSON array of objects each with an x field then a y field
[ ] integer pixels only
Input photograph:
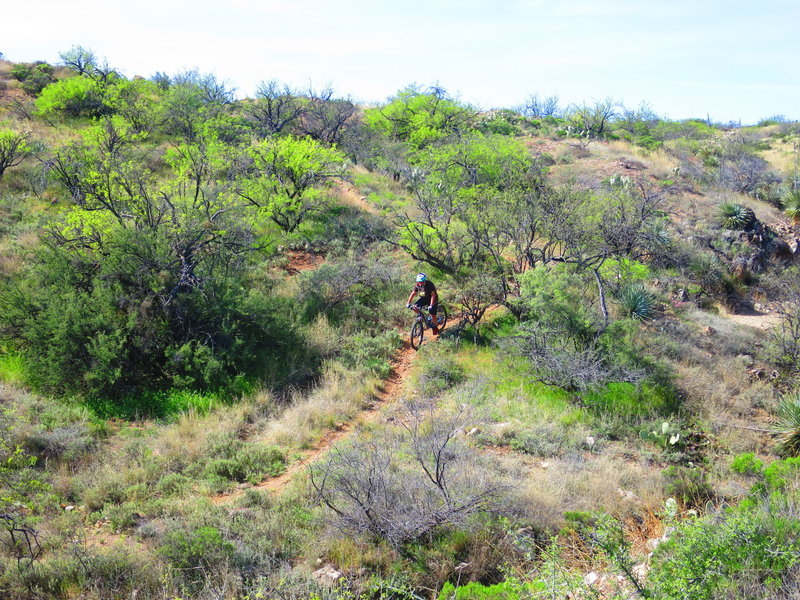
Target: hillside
[{"x": 208, "y": 388}]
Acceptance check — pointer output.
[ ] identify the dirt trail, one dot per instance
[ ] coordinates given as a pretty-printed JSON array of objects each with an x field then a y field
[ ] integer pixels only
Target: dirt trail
[
  {"x": 755, "y": 319},
  {"x": 349, "y": 194},
  {"x": 389, "y": 393}
]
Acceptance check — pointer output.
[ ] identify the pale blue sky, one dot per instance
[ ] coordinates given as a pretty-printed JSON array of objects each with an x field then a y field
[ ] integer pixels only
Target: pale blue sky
[{"x": 731, "y": 60}]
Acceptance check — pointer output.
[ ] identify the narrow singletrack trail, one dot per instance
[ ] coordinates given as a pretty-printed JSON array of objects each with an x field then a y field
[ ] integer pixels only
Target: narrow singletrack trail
[{"x": 390, "y": 392}]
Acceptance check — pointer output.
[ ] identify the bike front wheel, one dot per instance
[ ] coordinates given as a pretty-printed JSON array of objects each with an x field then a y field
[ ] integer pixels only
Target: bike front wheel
[{"x": 417, "y": 333}]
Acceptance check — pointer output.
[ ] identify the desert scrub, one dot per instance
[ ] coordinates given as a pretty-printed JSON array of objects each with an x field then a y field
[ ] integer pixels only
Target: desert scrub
[
  {"x": 788, "y": 427},
  {"x": 736, "y": 553},
  {"x": 636, "y": 302},
  {"x": 233, "y": 460},
  {"x": 438, "y": 372},
  {"x": 736, "y": 216}
]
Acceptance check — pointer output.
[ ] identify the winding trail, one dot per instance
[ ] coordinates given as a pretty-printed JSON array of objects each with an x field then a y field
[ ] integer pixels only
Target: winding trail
[{"x": 388, "y": 394}]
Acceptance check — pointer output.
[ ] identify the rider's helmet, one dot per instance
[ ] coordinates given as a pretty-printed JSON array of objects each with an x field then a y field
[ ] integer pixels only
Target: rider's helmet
[{"x": 421, "y": 278}]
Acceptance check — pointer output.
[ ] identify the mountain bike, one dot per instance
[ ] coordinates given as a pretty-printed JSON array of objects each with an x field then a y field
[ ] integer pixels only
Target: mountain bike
[{"x": 423, "y": 321}]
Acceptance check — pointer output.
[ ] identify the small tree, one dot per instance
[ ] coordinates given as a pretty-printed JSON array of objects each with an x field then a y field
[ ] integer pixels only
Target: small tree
[
  {"x": 539, "y": 108},
  {"x": 276, "y": 108},
  {"x": 373, "y": 491},
  {"x": 81, "y": 60},
  {"x": 326, "y": 118},
  {"x": 287, "y": 178},
  {"x": 592, "y": 121},
  {"x": 14, "y": 148}
]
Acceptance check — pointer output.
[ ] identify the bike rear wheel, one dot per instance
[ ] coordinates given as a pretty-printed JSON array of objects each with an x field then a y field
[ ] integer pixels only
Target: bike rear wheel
[
  {"x": 441, "y": 316},
  {"x": 417, "y": 333}
]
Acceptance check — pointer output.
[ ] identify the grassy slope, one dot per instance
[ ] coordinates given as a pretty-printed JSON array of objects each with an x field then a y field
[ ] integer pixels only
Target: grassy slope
[{"x": 133, "y": 483}]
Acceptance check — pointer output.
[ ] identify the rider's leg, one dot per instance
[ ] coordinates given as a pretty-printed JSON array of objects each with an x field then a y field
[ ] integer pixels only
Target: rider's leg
[{"x": 422, "y": 303}]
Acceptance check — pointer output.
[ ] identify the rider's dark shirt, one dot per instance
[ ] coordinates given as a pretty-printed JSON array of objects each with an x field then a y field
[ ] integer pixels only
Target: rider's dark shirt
[{"x": 426, "y": 289}]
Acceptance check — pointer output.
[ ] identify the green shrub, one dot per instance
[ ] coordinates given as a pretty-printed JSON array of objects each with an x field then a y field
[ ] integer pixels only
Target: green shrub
[
  {"x": 688, "y": 484},
  {"x": 235, "y": 460},
  {"x": 173, "y": 484},
  {"x": 195, "y": 549},
  {"x": 788, "y": 427},
  {"x": 782, "y": 474},
  {"x": 52, "y": 577},
  {"x": 547, "y": 440},
  {"x": 791, "y": 205},
  {"x": 105, "y": 334},
  {"x": 637, "y": 302},
  {"x": 73, "y": 97},
  {"x": 33, "y": 77},
  {"x": 439, "y": 372},
  {"x": 370, "y": 351},
  {"x": 738, "y": 553},
  {"x": 747, "y": 464},
  {"x": 478, "y": 591},
  {"x": 123, "y": 516},
  {"x": 736, "y": 216}
]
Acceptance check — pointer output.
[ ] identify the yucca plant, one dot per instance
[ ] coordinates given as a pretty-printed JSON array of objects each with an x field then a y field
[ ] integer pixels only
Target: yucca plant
[
  {"x": 788, "y": 427},
  {"x": 637, "y": 302},
  {"x": 791, "y": 205},
  {"x": 733, "y": 215}
]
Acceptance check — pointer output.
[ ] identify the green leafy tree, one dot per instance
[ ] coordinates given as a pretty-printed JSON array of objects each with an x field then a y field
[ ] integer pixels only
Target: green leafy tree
[
  {"x": 288, "y": 177},
  {"x": 141, "y": 285},
  {"x": 74, "y": 97},
  {"x": 468, "y": 197},
  {"x": 14, "y": 148},
  {"x": 421, "y": 117},
  {"x": 79, "y": 59}
]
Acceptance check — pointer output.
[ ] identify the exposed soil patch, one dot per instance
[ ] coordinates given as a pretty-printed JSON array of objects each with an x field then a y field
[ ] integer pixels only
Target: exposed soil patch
[{"x": 302, "y": 260}]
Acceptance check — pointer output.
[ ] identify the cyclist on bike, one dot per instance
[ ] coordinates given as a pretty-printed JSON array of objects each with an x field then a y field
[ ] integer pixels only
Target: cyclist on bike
[{"x": 427, "y": 298}]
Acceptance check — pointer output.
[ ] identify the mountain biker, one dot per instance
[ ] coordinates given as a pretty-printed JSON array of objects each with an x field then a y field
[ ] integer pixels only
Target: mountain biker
[{"x": 427, "y": 298}]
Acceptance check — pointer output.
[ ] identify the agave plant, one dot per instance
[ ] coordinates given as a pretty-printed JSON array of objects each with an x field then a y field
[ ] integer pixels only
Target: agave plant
[
  {"x": 736, "y": 216},
  {"x": 788, "y": 427},
  {"x": 791, "y": 205},
  {"x": 637, "y": 302}
]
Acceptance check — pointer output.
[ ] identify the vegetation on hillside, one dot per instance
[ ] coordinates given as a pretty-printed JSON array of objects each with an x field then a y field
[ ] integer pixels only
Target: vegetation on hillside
[{"x": 198, "y": 294}]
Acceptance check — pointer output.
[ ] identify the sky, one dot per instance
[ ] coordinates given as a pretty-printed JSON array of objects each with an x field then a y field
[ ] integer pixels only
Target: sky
[{"x": 730, "y": 61}]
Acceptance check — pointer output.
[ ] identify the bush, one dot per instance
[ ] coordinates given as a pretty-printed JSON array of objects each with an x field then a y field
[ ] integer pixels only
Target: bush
[
  {"x": 747, "y": 464},
  {"x": 173, "y": 484},
  {"x": 73, "y": 97},
  {"x": 33, "y": 77},
  {"x": 738, "y": 553},
  {"x": 735, "y": 216},
  {"x": 66, "y": 443},
  {"x": 637, "y": 302},
  {"x": 195, "y": 550},
  {"x": 788, "y": 427},
  {"x": 689, "y": 485},
  {"x": 439, "y": 372},
  {"x": 791, "y": 205},
  {"x": 479, "y": 591},
  {"x": 235, "y": 460},
  {"x": 107, "y": 335}
]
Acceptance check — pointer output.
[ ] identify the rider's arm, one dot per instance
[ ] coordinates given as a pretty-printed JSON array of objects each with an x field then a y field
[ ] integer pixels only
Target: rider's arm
[
  {"x": 434, "y": 298},
  {"x": 411, "y": 297}
]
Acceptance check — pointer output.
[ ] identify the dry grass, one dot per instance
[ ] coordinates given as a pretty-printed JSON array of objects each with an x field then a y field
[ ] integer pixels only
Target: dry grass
[
  {"x": 547, "y": 489},
  {"x": 337, "y": 399},
  {"x": 782, "y": 156}
]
